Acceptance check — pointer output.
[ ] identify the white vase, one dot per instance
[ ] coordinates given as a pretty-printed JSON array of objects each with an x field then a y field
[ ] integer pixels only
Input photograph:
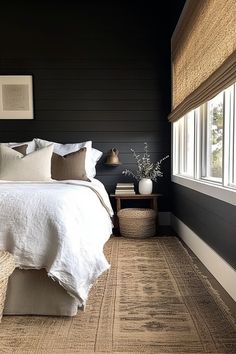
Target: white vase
[{"x": 145, "y": 186}]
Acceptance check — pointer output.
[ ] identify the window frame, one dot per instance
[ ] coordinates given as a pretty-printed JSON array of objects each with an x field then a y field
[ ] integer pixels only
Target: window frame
[
  {"x": 205, "y": 172},
  {"x": 224, "y": 190}
]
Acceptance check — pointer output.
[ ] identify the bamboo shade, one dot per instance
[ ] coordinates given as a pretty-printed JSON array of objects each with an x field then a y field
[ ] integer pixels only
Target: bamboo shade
[{"x": 203, "y": 53}]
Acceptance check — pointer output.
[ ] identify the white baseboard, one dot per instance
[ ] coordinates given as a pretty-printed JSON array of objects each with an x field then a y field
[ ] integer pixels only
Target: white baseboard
[
  {"x": 164, "y": 218},
  {"x": 218, "y": 267}
]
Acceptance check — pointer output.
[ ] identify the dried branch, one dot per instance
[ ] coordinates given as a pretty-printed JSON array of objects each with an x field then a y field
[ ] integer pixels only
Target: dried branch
[{"x": 145, "y": 168}]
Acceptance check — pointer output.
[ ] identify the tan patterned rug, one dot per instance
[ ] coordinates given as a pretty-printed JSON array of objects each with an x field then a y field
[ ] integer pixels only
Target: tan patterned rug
[{"x": 153, "y": 300}]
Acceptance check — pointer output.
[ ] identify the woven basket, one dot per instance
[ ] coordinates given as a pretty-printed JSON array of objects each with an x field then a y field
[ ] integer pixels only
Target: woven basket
[
  {"x": 137, "y": 222},
  {"x": 7, "y": 265}
]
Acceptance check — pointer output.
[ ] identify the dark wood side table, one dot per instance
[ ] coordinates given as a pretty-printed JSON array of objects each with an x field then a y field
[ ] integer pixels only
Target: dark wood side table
[{"x": 151, "y": 197}]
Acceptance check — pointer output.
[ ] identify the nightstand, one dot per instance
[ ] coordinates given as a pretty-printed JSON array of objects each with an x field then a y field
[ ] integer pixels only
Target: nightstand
[{"x": 153, "y": 198}]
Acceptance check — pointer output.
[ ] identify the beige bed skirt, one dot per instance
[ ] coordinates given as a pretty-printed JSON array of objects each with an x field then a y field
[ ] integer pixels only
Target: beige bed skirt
[{"x": 32, "y": 292}]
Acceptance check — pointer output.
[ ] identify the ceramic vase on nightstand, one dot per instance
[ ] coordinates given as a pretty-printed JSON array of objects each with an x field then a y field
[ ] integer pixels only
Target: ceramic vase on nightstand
[{"x": 145, "y": 186}]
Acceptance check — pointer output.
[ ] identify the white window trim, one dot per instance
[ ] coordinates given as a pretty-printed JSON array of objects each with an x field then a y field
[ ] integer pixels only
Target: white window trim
[{"x": 223, "y": 190}]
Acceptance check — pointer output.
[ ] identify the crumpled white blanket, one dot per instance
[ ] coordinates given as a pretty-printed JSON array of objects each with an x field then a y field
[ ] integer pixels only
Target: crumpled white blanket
[{"x": 60, "y": 226}]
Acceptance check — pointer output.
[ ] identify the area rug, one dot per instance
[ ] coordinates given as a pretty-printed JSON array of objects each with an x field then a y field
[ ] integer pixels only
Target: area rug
[{"x": 152, "y": 300}]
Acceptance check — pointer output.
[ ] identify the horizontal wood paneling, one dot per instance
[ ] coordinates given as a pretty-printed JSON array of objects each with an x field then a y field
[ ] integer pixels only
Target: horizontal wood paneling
[
  {"x": 114, "y": 95},
  {"x": 80, "y": 62},
  {"x": 79, "y": 84},
  {"x": 93, "y": 74},
  {"x": 91, "y": 126},
  {"x": 211, "y": 219},
  {"x": 100, "y": 73},
  {"x": 128, "y": 116},
  {"x": 66, "y": 137},
  {"x": 159, "y": 146},
  {"x": 96, "y": 105}
]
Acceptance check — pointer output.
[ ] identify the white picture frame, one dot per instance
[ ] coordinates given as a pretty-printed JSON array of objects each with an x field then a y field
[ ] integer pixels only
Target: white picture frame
[{"x": 16, "y": 97}]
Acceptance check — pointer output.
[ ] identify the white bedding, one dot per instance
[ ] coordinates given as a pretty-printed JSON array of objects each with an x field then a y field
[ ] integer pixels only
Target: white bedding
[{"x": 59, "y": 226}]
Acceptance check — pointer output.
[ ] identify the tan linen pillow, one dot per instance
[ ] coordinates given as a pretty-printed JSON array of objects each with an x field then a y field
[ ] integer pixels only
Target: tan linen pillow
[
  {"x": 70, "y": 166},
  {"x": 35, "y": 166},
  {"x": 22, "y": 149}
]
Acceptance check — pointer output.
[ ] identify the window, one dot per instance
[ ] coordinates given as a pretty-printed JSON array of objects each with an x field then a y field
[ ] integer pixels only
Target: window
[
  {"x": 230, "y": 139},
  {"x": 204, "y": 144},
  {"x": 184, "y": 145},
  {"x": 233, "y": 160},
  {"x": 189, "y": 127},
  {"x": 212, "y": 168}
]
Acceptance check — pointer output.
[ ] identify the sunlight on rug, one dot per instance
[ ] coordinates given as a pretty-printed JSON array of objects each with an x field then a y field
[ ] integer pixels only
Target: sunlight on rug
[{"x": 152, "y": 300}]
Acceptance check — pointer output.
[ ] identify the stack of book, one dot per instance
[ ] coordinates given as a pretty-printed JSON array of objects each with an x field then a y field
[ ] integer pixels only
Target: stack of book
[{"x": 125, "y": 188}]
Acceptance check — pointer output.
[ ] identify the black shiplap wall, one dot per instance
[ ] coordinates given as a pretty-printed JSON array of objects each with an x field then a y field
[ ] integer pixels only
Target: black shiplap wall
[
  {"x": 101, "y": 72},
  {"x": 211, "y": 219}
]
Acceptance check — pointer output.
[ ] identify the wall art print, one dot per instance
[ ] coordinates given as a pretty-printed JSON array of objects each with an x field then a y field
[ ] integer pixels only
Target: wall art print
[{"x": 16, "y": 97}]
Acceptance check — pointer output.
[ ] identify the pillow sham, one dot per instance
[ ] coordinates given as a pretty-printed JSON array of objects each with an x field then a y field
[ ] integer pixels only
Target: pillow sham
[
  {"x": 31, "y": 145},
  {"x": 92, "y": 155},
  {"x": 36, "y": 166},
  {"x": 70, "y": 166}
]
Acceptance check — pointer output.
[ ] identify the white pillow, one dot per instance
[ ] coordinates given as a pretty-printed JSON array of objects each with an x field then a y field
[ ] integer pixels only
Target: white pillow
[
  {"x": 96, "y": 155},
  {"x": 30, "y": 148},
  {"x": 92, "y": 155},
  {"x": 32, "y": 167}
]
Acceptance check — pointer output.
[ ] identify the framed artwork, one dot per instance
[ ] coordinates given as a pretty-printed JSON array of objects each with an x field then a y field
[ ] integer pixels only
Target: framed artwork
[{"x": 16, "y": 97}]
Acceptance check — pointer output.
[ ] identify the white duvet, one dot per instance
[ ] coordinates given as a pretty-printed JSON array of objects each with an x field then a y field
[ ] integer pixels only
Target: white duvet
[{"x": 59, "y": 226}]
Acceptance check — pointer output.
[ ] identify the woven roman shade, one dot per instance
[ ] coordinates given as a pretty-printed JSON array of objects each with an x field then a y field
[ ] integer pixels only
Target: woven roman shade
[{"x": 203, "y": 53}]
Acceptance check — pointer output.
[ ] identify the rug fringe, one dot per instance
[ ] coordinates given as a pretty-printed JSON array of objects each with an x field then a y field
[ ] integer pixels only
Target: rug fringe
[{"x": 215, "y": 293}]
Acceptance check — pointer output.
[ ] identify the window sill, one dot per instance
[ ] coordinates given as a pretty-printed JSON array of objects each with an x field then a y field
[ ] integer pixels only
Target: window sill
[{"x": 227, "y": 195}]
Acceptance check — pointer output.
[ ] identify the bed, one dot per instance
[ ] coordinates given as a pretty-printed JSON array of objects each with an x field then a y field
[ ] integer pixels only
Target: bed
[{"x": 56, "y": 231}]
